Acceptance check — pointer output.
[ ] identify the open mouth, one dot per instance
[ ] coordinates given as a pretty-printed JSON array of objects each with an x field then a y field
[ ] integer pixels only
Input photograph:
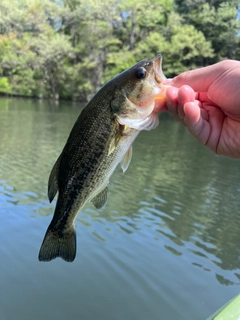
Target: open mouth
[
  {"x": 159, "y": 77},
  {"x": 146, "y": 107},
  {"x": 158, "y": 73}
]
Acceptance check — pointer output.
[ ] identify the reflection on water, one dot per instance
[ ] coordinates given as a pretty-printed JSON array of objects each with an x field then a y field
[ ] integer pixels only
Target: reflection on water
[{"x": 166, "y": 243}]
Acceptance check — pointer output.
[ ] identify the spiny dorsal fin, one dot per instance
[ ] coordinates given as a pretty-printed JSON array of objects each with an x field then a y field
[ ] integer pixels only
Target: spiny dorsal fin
[
  {"x": 100, "y": 199},
  {"x": 126, "y": 159},
  {"x": 53, "y": 180}
]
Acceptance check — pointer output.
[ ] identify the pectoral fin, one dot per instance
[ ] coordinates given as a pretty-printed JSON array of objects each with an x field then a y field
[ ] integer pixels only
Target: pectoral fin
[
  {"x": 53, "y": 180},
  {"x": 100, "y": 199},
  {"x": 116, "y": 139},
  {"x": 113, "y": 144},
  {"x": 126, "y": 159}
]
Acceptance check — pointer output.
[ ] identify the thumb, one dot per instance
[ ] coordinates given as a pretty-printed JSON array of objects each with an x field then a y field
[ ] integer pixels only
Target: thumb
[{"x": 199, "y": 79}]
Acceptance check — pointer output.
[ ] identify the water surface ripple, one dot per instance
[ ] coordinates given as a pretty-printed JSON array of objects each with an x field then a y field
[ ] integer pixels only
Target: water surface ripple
[{"x": 166, "y": 246}]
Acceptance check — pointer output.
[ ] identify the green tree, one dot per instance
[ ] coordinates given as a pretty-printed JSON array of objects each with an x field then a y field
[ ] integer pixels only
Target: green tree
[
  {"x": 181, "y": 45},
  {"x": 68, "y": 49},
  {"x": 217, "y": 20},
  {"x": 137, "y": 20}
]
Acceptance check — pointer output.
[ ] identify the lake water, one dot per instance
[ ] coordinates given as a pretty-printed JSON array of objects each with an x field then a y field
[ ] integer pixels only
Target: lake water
[{"x": 166, "y": 246}]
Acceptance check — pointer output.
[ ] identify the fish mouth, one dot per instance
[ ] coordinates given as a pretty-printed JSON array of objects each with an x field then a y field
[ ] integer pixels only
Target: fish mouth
[
  {"x": 150, "y": 104},
  {"x": 159, "y": 92},
  {"x": 157, "y": 67},
  {"x": 159, "y": 77}
]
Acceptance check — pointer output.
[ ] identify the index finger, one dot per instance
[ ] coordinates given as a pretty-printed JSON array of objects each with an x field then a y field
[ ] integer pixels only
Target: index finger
[{"x": 201, "y": 79}]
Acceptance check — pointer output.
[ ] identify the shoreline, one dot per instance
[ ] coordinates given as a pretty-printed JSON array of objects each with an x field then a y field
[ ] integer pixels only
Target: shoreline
[{"x": 13, "y": 96}]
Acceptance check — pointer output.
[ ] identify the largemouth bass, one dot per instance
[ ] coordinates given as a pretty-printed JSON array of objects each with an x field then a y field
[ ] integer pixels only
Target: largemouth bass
[{"x": 101, "y": 138}]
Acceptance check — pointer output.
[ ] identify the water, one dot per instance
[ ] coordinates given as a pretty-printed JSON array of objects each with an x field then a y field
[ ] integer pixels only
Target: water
[{"x": 166, "y": 246}]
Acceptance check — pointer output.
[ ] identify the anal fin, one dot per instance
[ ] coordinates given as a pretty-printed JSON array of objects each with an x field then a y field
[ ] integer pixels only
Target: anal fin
[{"x": 100, "y": 199}]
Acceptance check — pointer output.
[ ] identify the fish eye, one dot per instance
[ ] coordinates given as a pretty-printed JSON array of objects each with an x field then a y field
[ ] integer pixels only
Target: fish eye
[{"x": 141, "y": 73}]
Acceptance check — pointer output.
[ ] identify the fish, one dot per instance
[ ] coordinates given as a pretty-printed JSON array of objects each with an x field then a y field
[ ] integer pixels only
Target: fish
[{"x": 100, "y": 139}]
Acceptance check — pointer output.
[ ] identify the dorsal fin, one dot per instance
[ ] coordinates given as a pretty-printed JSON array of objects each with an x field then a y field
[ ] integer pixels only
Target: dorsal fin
[
  {"x": 126, "y": 159},
  {"x": 100, "y": 199},
  {"x": 53, "y": 180}
]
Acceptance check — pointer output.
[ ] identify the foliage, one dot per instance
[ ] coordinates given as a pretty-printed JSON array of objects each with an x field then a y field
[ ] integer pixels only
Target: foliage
[
  {"x": 67, "y": 49},
  {"x": 4, "y": 85},
  {"x": 218, "y": 22}
]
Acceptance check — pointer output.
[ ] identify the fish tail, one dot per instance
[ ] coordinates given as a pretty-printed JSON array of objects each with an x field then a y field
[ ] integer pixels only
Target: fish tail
[{"x": 57, "y": 244}]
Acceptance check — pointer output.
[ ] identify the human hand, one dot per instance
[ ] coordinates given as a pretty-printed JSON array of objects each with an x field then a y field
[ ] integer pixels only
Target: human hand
[{"x": 207, "y": 101}]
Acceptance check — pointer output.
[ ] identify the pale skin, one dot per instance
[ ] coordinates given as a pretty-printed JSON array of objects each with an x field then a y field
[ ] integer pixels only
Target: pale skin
[{"x": 207, "y": 102}]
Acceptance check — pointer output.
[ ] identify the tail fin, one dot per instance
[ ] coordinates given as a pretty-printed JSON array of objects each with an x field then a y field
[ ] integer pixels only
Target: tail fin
[{"x": 55, "y": 245}]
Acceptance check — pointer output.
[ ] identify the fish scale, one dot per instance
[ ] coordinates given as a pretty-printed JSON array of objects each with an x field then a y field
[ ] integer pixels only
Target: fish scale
[{"x": 100, "y": 139}]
